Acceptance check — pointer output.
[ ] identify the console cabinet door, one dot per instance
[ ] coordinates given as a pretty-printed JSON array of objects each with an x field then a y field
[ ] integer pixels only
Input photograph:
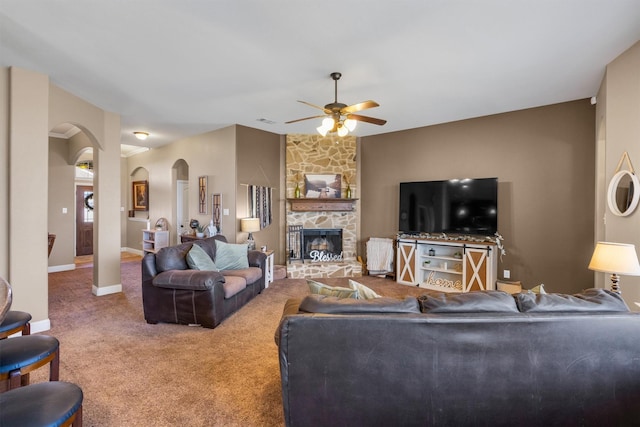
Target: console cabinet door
[
  {"x": 406, "y": 263},
  {"x": 476, "y": 270}
]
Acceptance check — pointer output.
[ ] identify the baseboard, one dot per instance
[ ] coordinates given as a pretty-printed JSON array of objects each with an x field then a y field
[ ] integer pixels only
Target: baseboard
[
  {"x": 106, "y": 290},
  {"x": 133, "y": 251},
  {"x": 40, "y": 326},
  {"x": 58, "y": 268}
]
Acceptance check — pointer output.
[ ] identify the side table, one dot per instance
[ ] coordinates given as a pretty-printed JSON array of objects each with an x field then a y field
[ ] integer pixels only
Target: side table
[
  {"x": 269, "y": 274},
  {"x": 189, "y": 238}
]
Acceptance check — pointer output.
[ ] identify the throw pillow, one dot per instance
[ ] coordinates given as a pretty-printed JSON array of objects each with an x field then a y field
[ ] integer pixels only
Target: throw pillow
[
  {"x": 332, "y": 291},
  {"x": 198, "y": 259},
  {"x": 538, "y": 289},
  {"x": 363, "y": 291},
  {"x": 231, "y": 256}
]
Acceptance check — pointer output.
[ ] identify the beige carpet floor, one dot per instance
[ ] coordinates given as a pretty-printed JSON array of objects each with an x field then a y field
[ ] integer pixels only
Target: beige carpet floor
[{"x": 136, "y": 374}]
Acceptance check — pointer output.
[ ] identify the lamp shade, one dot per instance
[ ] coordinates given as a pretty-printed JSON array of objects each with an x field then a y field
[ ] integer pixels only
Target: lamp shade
[
  {"x": 249, "y": 225},
  {"x": 618, "y": 258}
]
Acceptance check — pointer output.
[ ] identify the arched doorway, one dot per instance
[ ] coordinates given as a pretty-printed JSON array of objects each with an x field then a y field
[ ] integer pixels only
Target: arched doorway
[{"x": 180, "y": 174}]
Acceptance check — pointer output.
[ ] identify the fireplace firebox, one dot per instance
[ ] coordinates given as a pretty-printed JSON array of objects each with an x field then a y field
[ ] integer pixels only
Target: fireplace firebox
[{"x": 322, "y": 244}]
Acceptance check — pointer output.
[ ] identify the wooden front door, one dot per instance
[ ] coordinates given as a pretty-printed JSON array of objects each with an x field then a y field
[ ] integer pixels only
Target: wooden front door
[{"x": 84, "y": 220}]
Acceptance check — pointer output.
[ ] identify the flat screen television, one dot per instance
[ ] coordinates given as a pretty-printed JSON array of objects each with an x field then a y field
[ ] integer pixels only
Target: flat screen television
[{"x": 456, "y": 206}]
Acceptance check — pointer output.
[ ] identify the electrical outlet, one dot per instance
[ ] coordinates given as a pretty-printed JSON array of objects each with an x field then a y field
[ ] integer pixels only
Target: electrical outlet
[
  {"x": 64, "y": 210},
  {"x": 507, "y": 274}
]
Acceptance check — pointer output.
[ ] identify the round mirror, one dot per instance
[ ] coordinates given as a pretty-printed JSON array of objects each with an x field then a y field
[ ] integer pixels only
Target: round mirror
[{"x": 623, "y": 193}]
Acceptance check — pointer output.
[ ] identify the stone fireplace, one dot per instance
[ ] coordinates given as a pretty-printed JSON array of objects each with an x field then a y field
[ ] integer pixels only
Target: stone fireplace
[{"x": 330, "y": 231}]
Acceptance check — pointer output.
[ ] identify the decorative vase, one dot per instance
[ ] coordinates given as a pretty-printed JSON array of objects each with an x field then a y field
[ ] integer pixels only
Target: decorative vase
[
  {"x": 297, "y": 191},
  {"x": 348, "y": 192}
]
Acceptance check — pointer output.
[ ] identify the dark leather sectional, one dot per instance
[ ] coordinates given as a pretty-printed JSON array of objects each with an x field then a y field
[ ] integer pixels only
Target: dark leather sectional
[
  {"x": 477, "y": 359},
  {"x": 173, "y": 293}
]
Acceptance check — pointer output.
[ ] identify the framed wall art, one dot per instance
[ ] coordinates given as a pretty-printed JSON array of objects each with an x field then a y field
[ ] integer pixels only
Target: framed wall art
[
  {"x": 202, "y": 194},
  {"x": 140, "y": 192},
  {"x": 323, "y": 186},
  {"x": 216, "y": 202}
]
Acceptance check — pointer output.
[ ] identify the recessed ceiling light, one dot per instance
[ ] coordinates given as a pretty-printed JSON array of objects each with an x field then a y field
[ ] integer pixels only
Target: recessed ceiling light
[{"x": 141, "y": 135}]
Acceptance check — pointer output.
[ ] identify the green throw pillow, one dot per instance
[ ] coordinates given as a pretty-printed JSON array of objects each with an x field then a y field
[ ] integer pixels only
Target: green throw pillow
[
  {"x": 538, "y": 289},
  {"x": 198, "y": 259},
  {"x": 322, "y": 289},
  {"x": 231, "y": 256},
  {"x": 363, "y": 291}
]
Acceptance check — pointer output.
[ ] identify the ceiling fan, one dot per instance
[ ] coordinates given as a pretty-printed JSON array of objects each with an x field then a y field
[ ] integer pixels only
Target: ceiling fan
[{"x": 339, "y": 117}]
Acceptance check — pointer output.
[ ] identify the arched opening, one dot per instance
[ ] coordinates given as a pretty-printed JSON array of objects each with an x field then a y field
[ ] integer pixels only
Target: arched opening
[
  {"x": 71, "y": 197},
  {"x": 180, "y": 184}
]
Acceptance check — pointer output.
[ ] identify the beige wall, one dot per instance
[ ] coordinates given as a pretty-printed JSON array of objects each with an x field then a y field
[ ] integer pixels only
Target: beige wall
[
  {"x": 231, "y": 158},
  {"x": 210, "y": 154},
  {"x": 28, "y": 192},
  {"x": 4, "y": 177},
  {"x": 618, "y": 130},
  {"x": 543, "y": 158},
  {"x": 258, "y": 163}
]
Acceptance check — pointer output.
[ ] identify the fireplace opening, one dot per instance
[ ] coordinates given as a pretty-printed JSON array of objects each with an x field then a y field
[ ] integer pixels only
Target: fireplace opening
[{"x": 322, "y": 244}]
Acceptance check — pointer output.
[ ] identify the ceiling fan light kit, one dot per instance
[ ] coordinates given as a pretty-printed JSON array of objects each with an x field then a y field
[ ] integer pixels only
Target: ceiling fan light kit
[{"x": 339, "y": 117}]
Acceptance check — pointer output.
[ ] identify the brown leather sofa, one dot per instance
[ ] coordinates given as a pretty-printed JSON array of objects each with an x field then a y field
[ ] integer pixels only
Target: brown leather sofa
[
  {"x": 478, "y": 359},
  {"x": 174, "y": 293}
]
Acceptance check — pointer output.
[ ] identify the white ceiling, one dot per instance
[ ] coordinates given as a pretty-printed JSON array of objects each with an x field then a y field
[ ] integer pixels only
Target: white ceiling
[{"x": 180, "y": 68}]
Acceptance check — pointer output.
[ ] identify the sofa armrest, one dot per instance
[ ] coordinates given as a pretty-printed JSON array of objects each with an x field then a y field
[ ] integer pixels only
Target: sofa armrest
[
  {"x": 257, "y": 259},
  {"x": 292, "y": 306},
  {"x": 149, "y": 269},
  {"x": 197, "y": 280}
]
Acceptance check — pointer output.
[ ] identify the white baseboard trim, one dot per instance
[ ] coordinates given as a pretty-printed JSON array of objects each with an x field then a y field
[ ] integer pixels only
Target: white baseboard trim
[
  {"x": 40, "y": 326},
  {"x": 106, "y": 290},
  {"x": 133, "y": 251},
  {"x": 58, "y": 268}
]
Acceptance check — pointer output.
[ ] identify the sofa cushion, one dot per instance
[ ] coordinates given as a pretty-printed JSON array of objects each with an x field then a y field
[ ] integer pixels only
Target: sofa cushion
[
  {"x": 336, "y": 305},
  {"x": 334, "y": 291},
  {"x": 231, "y": 256},
  {"x": 198, "y": 259},
  {"x": 233, "y": 285},
  {"x": 589, "y": 300},
  {"x": 188, "y": 279},
  {"x": 470, "y": 302},
  {"x": 363, "y": 291},
  {"x": 250, "y": 274},
  {"x": 209, "y": 244},
  {"x": 173, "y": 257}
]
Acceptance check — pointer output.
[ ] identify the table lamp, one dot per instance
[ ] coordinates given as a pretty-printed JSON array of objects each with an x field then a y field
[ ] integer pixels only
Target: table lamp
[
  {"x": 615, "y": 258},
  {"x": 249, "y": 225}
]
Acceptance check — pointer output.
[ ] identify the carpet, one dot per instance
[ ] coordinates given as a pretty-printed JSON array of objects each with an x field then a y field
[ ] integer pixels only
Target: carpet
[{"x": 136, "y": 374}]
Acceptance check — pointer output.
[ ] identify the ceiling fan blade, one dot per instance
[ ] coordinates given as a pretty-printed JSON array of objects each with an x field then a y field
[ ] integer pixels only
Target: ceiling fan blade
[
  {"x": 316, "y": 106},
  {"x": 366, "y": 119},
  {"x": 359, "y": 107},
  {"x": 306, "y": 118}
]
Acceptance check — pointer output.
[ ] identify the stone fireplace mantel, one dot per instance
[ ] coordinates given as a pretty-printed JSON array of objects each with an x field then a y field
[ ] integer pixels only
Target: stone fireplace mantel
[{"x": 320, "y": 205}]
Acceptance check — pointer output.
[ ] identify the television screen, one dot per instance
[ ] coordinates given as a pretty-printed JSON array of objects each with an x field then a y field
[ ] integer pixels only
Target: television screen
[{"x": 455, "y": 206}]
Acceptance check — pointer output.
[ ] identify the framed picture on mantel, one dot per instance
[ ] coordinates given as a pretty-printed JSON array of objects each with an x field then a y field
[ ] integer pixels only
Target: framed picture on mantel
[
  {"x": 140, "y": 191},
  {"x": 323, "y": 186}
]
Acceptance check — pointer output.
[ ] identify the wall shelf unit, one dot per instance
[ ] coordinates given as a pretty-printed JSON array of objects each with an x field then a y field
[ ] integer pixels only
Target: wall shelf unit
[
  {"x": 447, "y": 265},
  {"x": 321, "y": 205},
  {"x": 154, "y": 240}
]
